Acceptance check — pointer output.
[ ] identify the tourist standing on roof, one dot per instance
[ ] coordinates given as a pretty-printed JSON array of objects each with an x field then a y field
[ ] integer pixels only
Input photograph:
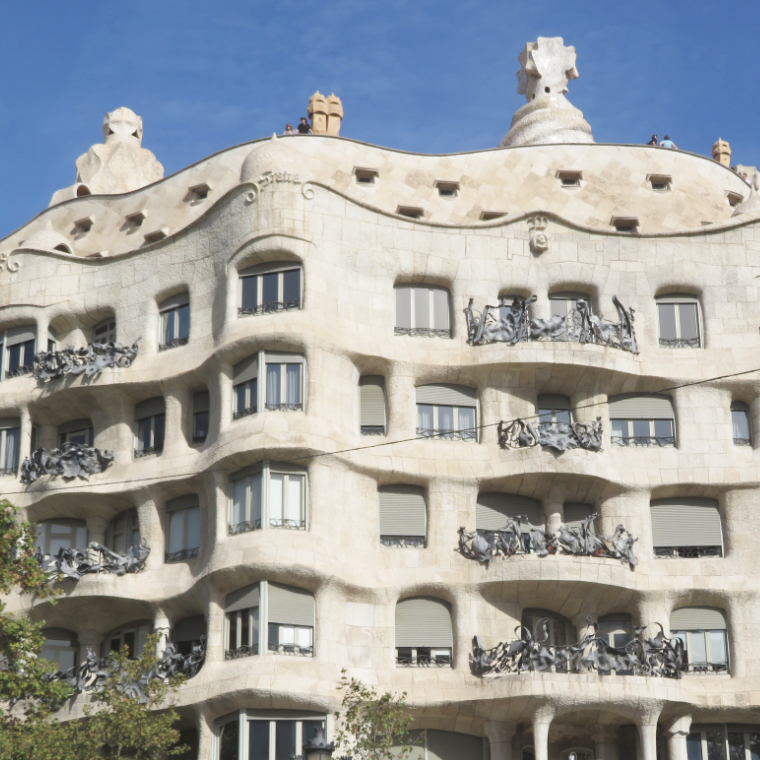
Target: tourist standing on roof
[
  {"x": 668, "y": 143},
  {"x": 303, "y": 127},
  {"x": 288, "y": 130},
  {"x": 653, "y": 141}
]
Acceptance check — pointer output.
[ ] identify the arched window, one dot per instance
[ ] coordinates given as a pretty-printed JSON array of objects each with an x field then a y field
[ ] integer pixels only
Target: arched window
[
  {"x": 123, "y": 533},
  {"x": 271, "y": 287},
  {"x": 174, "y": 328},
  {"x": 130, "y": 637},
  {"x": 447, "y": 411},
  {"x": 17, "y": 349},
  {"x": 422, "y": 310},
  {"x": 10, "y": 440},
  {"x": 372, "y": 405},
  {"x": 494, "y": 509},
  {"x": 741, "y": 424},
  {"x": 268, "y": 495},
  {"x": 150, "y": 423},
  {"x": 183, "y": 528},
  {"x": 686, "y": 527},
  {"x": 61, "y": 647},
  {"x": 403, "y": 518},
  {"x": 678, "y": 317},
  {"x": 424, "y": 633},
  {"x": 187, "y": 633},
  {"x": 286, "y": 625},
  {"x": 76, "y": 431},
  {"x": 642, "y": 419},
  {"x": 565, "y": 303},
  {"x": 61, "y": 533},
  {"x": 703, "y": 633}
]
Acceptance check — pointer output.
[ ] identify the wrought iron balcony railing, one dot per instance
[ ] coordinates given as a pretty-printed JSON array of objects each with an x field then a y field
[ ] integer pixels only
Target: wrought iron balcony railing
[
  {"x": 199, "y": 438},
  {"x": 511, "y": 323},
  {"x": 72, "y": 460},
  {"x": 24, "y": 369},
  {"x": 287, "y": 524},
  {"x": 244, "y": 651},
  {"x": 643, "y": 440},
  {"x": 448, "y": 435},
  {"x": 176, "y": 343},
  {"x": 181, "y": 555},
  {"x": 561, "y": 436},
  {"x": 680, "y": 342},
  {"x": 373, "y": 429},
  {"x": 423, "y": 332},
  {"x": 8, "y": 472},
  {"x": 687, "y": 552},
  {"x": 404, "y": 542},
  {"x": 284, "y": 407},
  {"x": 72, "y": 564},
  {"x": 244, "y": 413},
  {"x": 291, "y": 649},
  {"x": 423, "y": 660},
  {"x": 148, "y": 451},
  {"x": 269, "y": 308},
  {"x": 518, "y": 536},
  {"x": 742, "y": 441},
  {"x": 51, "y": 365},
  {"x": 244, "y": 527}
]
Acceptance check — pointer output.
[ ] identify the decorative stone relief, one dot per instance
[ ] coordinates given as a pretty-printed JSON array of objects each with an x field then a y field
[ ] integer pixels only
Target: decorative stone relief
[
  {"x": 72, "y": 460},
  {"x": 51, "y": 365},
  {"x": 270, "y": 178},
  {"x": 518, "y": 536},
  {"x": 512, "y": 324},
  {"x": 518, "y": 434},
  {"x": 6, "y": 265},
  {"x": 657, "y": 656},
  {"x": 539, "y": 240},
  {"x": 94, "y": 671},
  {"x": 72, "y": 564}
]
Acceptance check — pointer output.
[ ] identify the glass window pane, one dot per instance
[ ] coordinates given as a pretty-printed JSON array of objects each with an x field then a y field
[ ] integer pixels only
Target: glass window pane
[
  {"x": 293, "y": 383},
  {"x": 240, "y": 397},
  {"x": 270, "y": 294},
  {"x": 14, "y": 358},
  {"x": 184, "y": 322},
  {"x": 688, "y": 316},
  {"x": 245, "y": 627},
  {"x": 276, "y": 493},
  {"x": 250, "y": 293},
  {"x": 258, "y": 740},
  {"x": 229, "y": 741},
  {"x": 193, "y": 528},
  {"x": 424, "y": 417},
  {"x": 81, "y": 539},
  {"x": 559, "y": 307},
  {"x": 273, "y": 385},
  {"x": 698, "y": 653},
  {"x": 240, "y": 490},
  {"x": 562, "y": 415},
  {"x": 446, "y": 419},
  {"x": 287, "y": 634},
  {"x": 641, "y": 429},
  {"x": 177, "y": 531},
  {"x": 285, "y": 740},
  {"x": 309, "y": 729},
  {"x": 663, "y": 428},
  {"x": 170, "y": 320},
  {"x": 232, "y": 630},
  {"x": 619, "y": 428},
  {"x": 200, "y": 425},
  {"x": 421, "y": 307},
  {"x": 291, "y": 286},
  {"x": 754, "y": 746},
  {"x": 304, "y": 637},
  {"x": 158, "y": 430},
  {"x": 740, "y": 420},
  {"x": 295, "y": 498},
  {"x": 466, "y": 417},
  {"x": 694, "y": 746},
  {"x": 716, "y": 748},
  {"x": 545, "y": 416},
  {"x": 667, "y": 314},
  {"x": 736, "y": 746},
  {"x": 255, "y": 625},
  {"x": 129, "y": 642},
  {"x": 255, "y": 490},
  {"x": 718, "y": 647},
  {"x": 144, "y": 430}
]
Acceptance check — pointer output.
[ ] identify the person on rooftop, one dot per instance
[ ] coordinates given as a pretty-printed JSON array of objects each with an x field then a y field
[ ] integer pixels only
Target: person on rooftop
[
  {"x": 288, "y": 130},
  {"x": 653, "y": 141},
  {"x": 303, "y": 127},
  {"x": 668, "y": 143}
]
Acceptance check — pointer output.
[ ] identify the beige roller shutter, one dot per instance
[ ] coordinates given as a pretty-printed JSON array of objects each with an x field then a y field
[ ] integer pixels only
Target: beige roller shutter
[
  {"x": 686, "y": 522},
  {"x": 445, "y": 394},
  {"x": 290, "y": 606},
  {"x": 493, "y": 509},
  {"x": 576, "y": 513},
  {"x": 15, "y": 335},
  {"x": 190, "y": 629},
  {"x": 402, "y": 511},
  {"x": 372, "y": 400},
  {"x": 282, "y": 357},
  {"x": 242, "y": 599},
  {"x": 632, "y": 406},
  {"x": 74, "y": 426},
  {"x": 245, "y": 370},
  {"x": 697, "y": 619},
  {"x": 150, "y": 408},
  {"x": 423, "y": 622},
  {"x": 403, "y": 306},
  {"x": 440, "y": 308},
  {"x": 447, "y": 745}
]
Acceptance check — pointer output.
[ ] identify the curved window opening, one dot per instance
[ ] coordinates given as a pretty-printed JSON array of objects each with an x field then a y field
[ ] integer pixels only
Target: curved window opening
[
  {"x": 372, "y": 405},
  {"x": 702, "y": 631},
  {"x": 83, "y": 190},
  {"x": 61, "y": 647},
  {"x": 269, "y": 288},
  {"x": 740, "y": 421},
  {"x": 17, "y": 349},
  {"x": 104, "y": 332},
  {"x": 642, "y": 419},
  {"x": 422, "y": 310},
  {"x": 201, "y": 410},
  {"x": 686, "y": 527},
  {"x": 123, "y": 533},
  {"x": 424, "y": 633},
  {"x": 61, "y": 533},
  {"x": 76, "y": 431},
  {"x": 150, "y": 423},
  {"x": 716, "y": 741},
  {"x": 10, "y": 440},
  {"x": 183, "y": 528},
  {"x": 187, "y": 634},
  {"x": 679, "y": 317},
  {"x": 551, "y": 630},
  {"x": 174, "y": 315},
  {"x": 447, "y": 412},
  {"x": 403, "y": 516},
  {"x": 282, "y": 388},
  {"x": 130, "y": 638}
]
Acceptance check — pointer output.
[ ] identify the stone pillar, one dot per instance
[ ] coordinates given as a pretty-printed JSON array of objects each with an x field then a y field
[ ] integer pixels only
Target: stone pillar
[
  {"x": 317, "y": 111},
  {"x": 402, "y": 413},
  {"x": 334, "y": 115},
  {"x": 676, "y": 731},
  {"x": 178, "y": 401},
  {"x": 542, "y": 720},
  {"x": 646, "y": 722},
  {"x": 89, "y": 640},
  {"x": 215, "y": 629},
  {"x": 500, "y": 735},
  {"x": 25, "y": 446},
  {"x": 151, "y": 530},
  {"x": 605, "y": 743},
  {"x": 554, "y": 514},
  {"x": 43, "y": 323},
  {"x": 162, "y": 627},
  {"x": 96, "y": 534},
  {"x": 205, "y": 733}
]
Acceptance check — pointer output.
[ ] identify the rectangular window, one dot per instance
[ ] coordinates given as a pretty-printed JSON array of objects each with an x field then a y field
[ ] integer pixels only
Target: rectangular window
[
  {"x": 242, "y": 633},
  {"x": 283, "y": 390},
  {"x": 10, "y": 440},
  {"x": 642, "y": 432},
  {"x": 741, "y": 429},
  {"x": 449, "y": 422},
  {"x": 150, "y": 435},
  {"x": 105, "y": 332},
  {"x": 679, "y": 323},
  {"x": 268, "y": 292},
  {"x": 183, "y": 534},
  {"x": 286, "y": 501},
  {"x": 704, "y": 651},
  {"x": 20, "y": 359},
  {"x": 84, "y": 437},
  {"x": 422, "y": 310},
  {"x": 175, "y": 327}
]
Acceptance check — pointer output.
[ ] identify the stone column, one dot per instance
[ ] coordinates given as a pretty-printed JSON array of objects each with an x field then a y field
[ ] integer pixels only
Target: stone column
[
  {"x": 402, "y": 413},
  {"x": 178, "y": 401},
  {"x": 89, "y": 640},
  {"x": 162, "y": 627},
  {"x": 215, "y": 629},
  {"x": 151, "y": 530},
  {"x": 500, "y": 734},
  {"x": 542, "y": 720},
  {"x": 25, "y": 446},
  {"x": 676, "y": 732},
  {"x": 96, "y": 534},
  {"x": 605, "y": 743},
  {"x": 205, "y": 734},
  {"x": 646, "y": 722},
  {"x": 554, "y": 514}
]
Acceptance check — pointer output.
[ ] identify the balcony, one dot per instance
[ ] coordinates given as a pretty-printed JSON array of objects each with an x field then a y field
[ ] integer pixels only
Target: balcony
[
  {"x": 283, "y": 407},
  {"x": 448, "y": 435},
  {"x": 519, "y": 434},
  {"x": 72, "y": 460},
  {"x": 291, "y": 649},
  {"x": 373, "y": 429},
  {"x": 423, "y": 657},
  {"x": 244, "y": 527},
  {"x": 512, "y": 324},
  {"x": 244, "y": 651},
  {"x": 24, "y": 369},
  {"x": 148, "y": 451},
  {"x": 680, "y": 342},
  {"x": 287, "y": 524},
  {"x": 52, "y": 365},
  {"x": 181, "y": 555},
  {"x": 643, "y": 440},
  {"x": 423, "y": 332},
  {"x": 72, "y": 564}
]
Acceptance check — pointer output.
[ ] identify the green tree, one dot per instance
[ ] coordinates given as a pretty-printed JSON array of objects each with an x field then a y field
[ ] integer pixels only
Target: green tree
[
  {"x": 372, "y": 726},
  {"x": 117, "y": 724}
]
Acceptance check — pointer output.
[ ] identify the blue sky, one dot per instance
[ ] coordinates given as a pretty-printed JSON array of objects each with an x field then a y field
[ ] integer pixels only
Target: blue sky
[{"x": 433, "y": 76}]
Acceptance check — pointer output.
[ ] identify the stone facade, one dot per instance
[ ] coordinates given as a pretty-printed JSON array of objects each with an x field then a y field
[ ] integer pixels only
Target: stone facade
[{"x": 299, "y": 201}]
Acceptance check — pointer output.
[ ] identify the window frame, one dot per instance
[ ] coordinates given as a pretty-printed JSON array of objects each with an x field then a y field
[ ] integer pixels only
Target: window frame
[
  {"x": 26, "y": 359},
  {"x": 260, "y": 391},
  {"x": 662, "y": 441},
  {"x": 703, "y": 729},
  {"x": 259, "y": 271},
  {"x": 187, "y": 551},
  {"x": 153, "y": 430},
  {"x": 45, "y": 536},
  {"x": 456, "y": 434},
  {"x": 740, "y": 407},
  {"x": 265, "y": 470},
  {"x": 6, "y": 430},
  {"x": 433, "y": 330},
  {"x": 73, "y": 646},
  {"x": 141, "y": 629},
  {"x": 707, "y": 666},
  {"x": 174, "y": 311},
  {"x": 110, "y": 331},
  {"x": 680, "y": 299},
  {"x": 131, "y": 525}
]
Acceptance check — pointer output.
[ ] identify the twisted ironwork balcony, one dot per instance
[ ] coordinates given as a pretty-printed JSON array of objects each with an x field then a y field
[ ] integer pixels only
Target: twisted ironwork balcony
[
  {"x": 24, "y": 369},
  {"x": 373, "y": 429},
  {"x": 512, "y": 324},
  {"x": 244, "y": 651},
  {"x": 422, "y": 332},
  {"x": 561, "y": 436},
  {"x": 657, "y": 656},
  {"x": 244, "y": 413},
  {"x": 51, "y": 365},
  {"x": 680, "y": 342},
  {"x": 519, "y": 536},
  {"x": 448, "y": 435},
  {"x": 404, "y": 542},
  {"x": 291, "y": 649},
  {"x": 72, "y": 460},
  {"x": 148, "y": 451},
  {"x": 181, "y": 555},
  {"x": 73, "y": 564},
  {"x": 287, "y": 524},
  {"x": 176, "y": 343},
  {"x": 269, "y": 308},
  {"x": 243, "y": 527},
  {"x": 284, "y": 407},
  {"x": 643, "y": 440},
  {"x": 687, "y": 552}
]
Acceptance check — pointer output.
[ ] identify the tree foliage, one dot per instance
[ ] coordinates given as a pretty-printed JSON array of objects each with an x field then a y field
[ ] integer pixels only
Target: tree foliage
[
  {"x": 372, "y": 726},
  {"x": 116, "y": 723}
]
